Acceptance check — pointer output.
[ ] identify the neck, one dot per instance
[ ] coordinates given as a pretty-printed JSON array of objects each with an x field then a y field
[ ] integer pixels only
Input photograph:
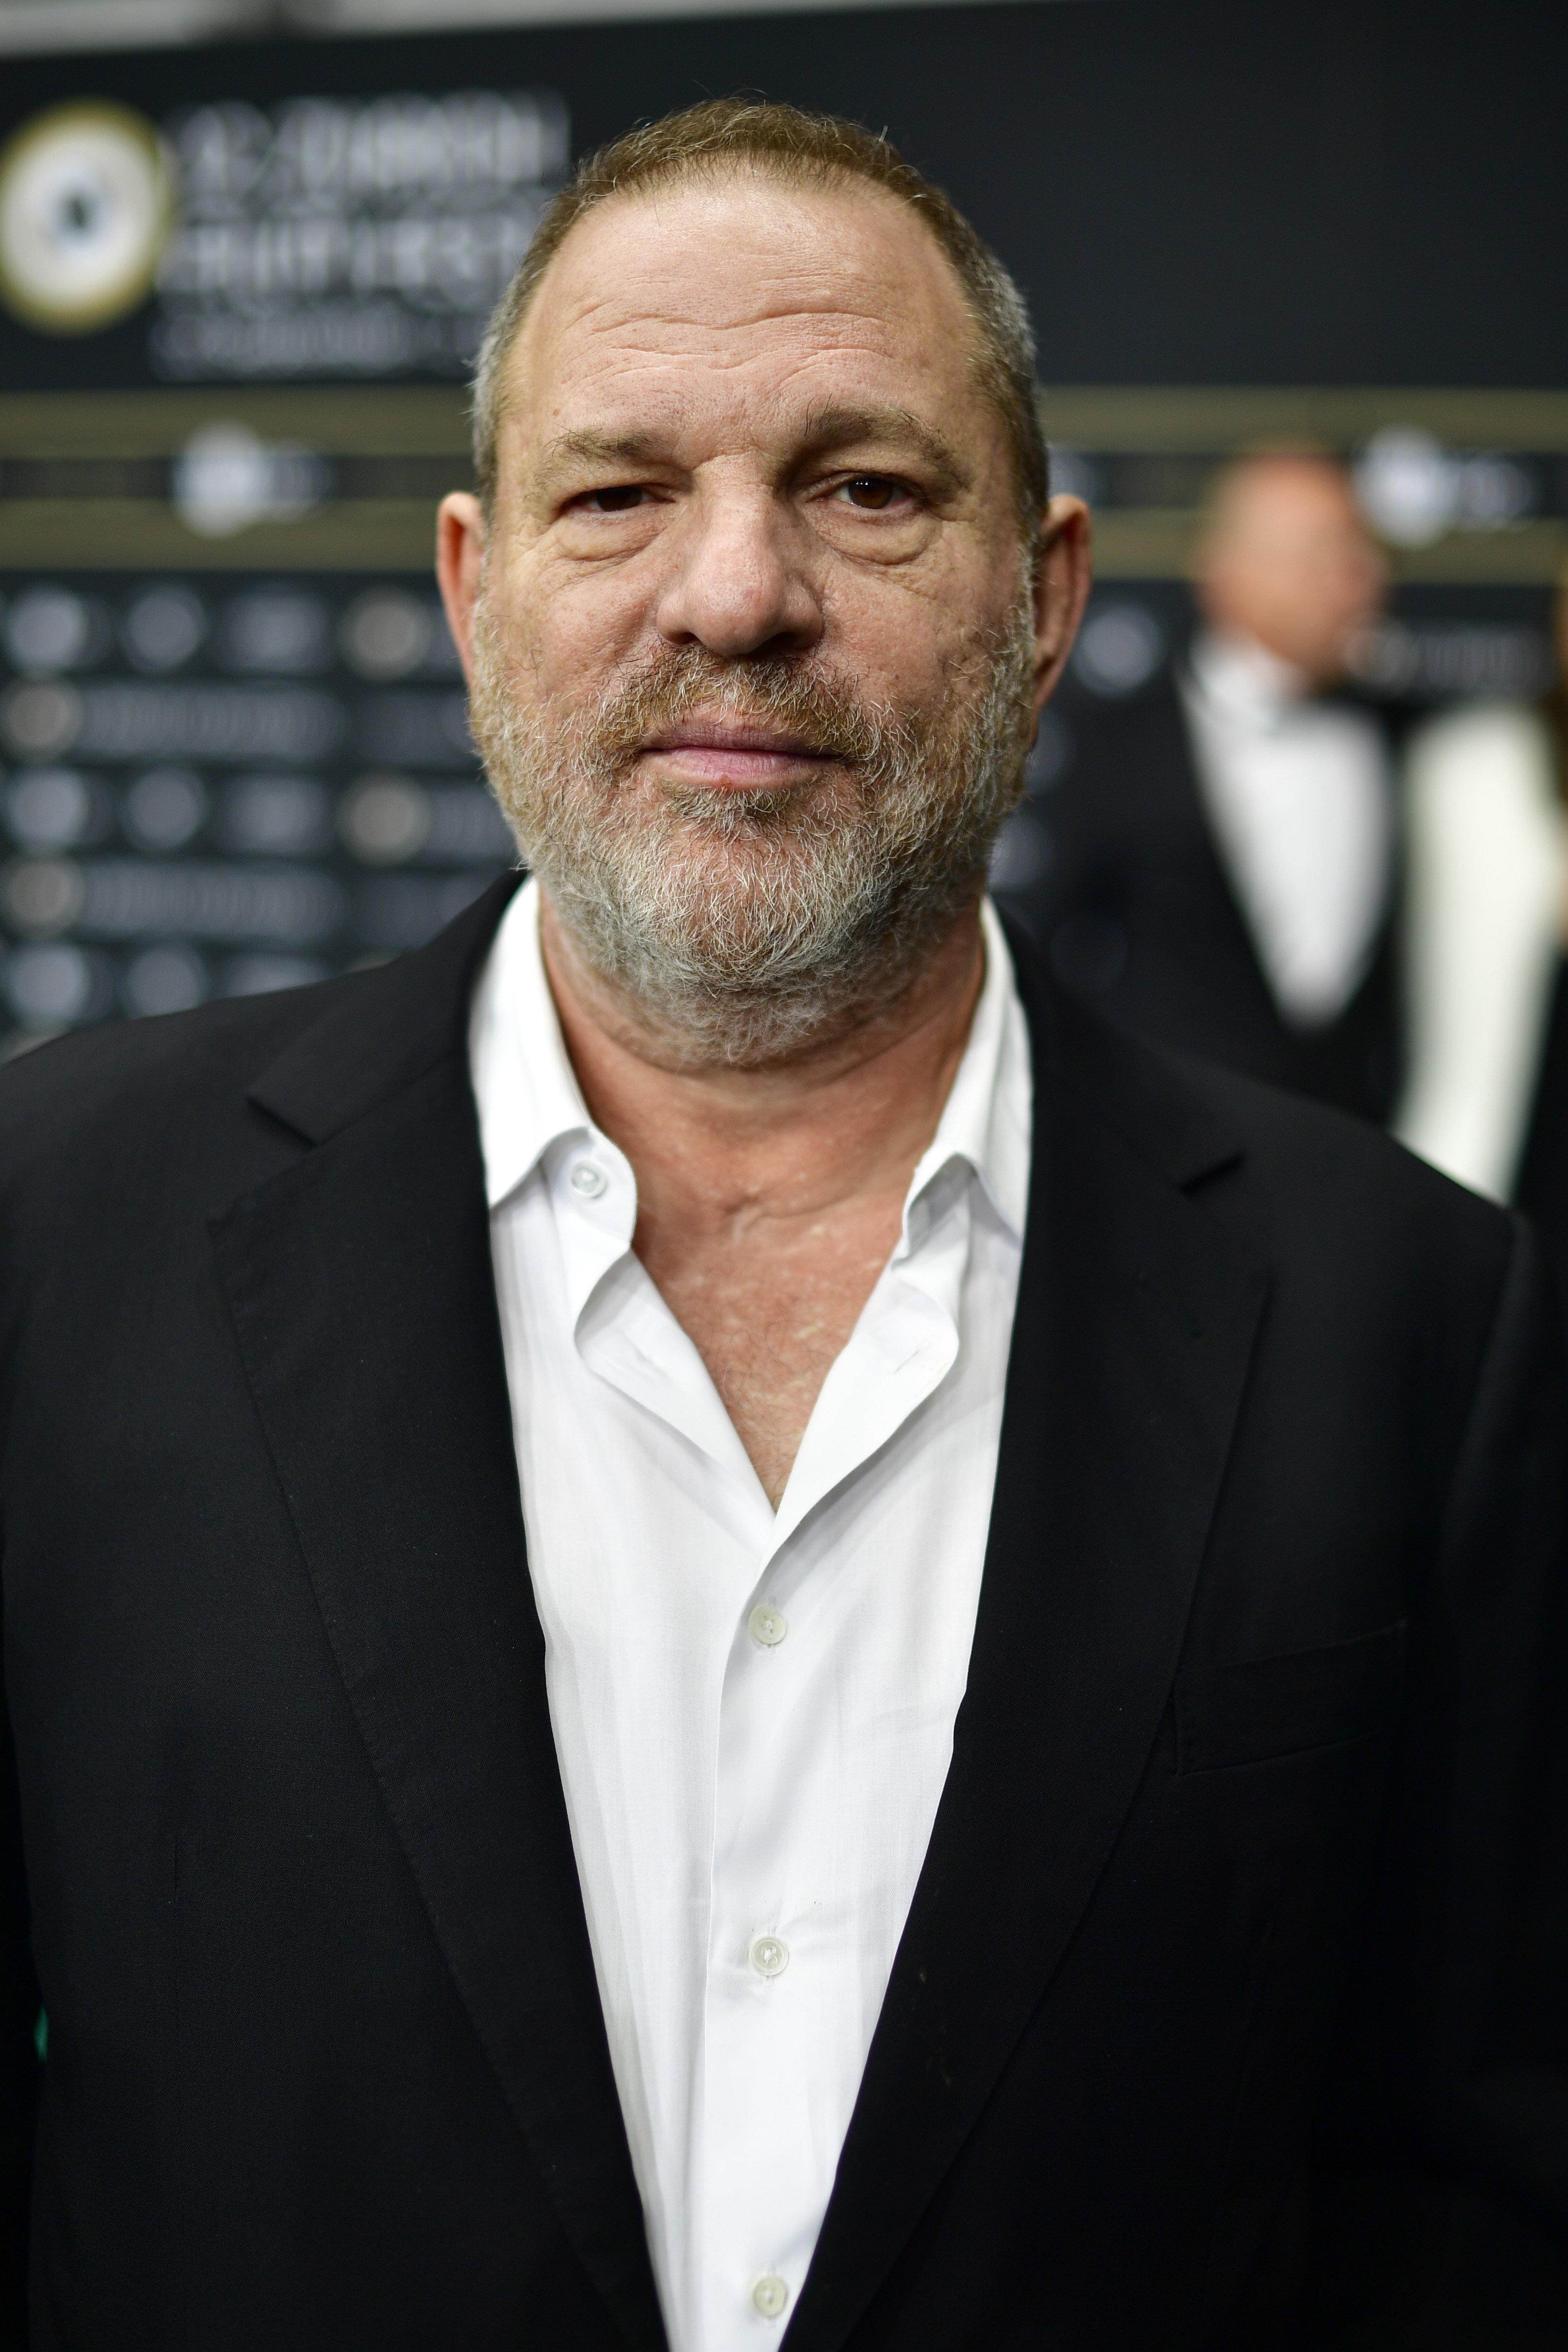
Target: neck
[{"x": 849, "y": 1112}]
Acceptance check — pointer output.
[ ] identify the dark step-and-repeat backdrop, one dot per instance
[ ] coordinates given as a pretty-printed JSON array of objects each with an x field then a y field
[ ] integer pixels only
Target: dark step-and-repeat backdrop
[{"x": 240, "y": 288}]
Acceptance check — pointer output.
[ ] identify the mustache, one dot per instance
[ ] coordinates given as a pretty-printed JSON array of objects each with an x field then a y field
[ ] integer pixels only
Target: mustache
[{"x": 690, "y": 683}]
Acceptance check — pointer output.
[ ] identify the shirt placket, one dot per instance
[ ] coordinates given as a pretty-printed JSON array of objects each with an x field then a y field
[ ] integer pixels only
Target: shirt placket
[
  {"x": 782, "y": 1999},
  {"x": 779, "y": 1966}
]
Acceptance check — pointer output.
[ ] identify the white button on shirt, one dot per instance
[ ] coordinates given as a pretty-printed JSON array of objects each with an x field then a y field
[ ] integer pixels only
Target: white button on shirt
[
  {"x": 753, "y": 1712},
  {"x": 1301, "y": 802}
]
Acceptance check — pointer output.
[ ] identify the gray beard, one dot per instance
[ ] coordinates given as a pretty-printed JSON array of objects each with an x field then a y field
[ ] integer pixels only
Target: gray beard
[{"x": 751, "y": 928}]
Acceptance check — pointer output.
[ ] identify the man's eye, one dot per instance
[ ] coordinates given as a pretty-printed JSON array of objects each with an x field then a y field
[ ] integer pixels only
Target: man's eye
[
  {"x": 619, "y": 498},
  {"x": 873, "y": 491}
]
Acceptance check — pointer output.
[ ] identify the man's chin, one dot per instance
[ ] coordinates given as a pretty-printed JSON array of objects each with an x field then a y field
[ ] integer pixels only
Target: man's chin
[{"x": 719, "y": 908}]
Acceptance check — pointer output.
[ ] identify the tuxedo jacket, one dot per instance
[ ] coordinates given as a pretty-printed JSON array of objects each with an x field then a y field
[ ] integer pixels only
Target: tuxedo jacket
[
  {"x": 1134, "y": 911},
  {"x": 1231, "y": 2011}
]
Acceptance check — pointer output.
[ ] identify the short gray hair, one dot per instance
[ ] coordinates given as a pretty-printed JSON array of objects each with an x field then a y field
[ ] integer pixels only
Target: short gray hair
[{"x": 800, "y": 149}]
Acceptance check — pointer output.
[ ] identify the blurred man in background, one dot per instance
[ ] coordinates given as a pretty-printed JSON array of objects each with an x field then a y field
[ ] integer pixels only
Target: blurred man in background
[{"x": 1223, "y": 843}]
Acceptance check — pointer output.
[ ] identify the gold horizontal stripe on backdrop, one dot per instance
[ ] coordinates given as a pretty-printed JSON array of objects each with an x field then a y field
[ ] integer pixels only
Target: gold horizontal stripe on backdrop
[{"x": 430, "y": 422}]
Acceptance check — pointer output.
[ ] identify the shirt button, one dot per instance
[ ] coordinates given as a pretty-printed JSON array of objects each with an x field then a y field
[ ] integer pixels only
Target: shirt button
[
  {"x": 587, "y": 1181},
  {"x": 769, "y": 1955},
  {"x": 767, "y": 1625},
  {"x": 771, "y": 2295}
]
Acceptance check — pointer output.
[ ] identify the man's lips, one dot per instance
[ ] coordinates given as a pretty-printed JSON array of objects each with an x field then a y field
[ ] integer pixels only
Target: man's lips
[{"x": 732, "y": 757}]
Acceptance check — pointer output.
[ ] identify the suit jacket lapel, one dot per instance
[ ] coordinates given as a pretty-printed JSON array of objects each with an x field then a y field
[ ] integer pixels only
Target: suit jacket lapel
[
  {"x": 1133, "y": 1330},
  {"x": 361, "y": 1285}
]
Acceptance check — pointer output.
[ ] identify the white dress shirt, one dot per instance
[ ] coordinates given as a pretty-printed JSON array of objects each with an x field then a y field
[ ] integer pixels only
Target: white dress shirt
[
  {"x": 753, "y": 1713},
  {"x": 1298, "y": 797}
]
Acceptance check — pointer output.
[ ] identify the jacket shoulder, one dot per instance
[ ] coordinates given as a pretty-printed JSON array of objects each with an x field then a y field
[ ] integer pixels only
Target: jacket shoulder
[
  {"x": 1304, "y": 1177},
  {"x": 171, "y": 1078},
  {"x": 1296, "y": 1143},
  {"x": 149, "y": 1076},
  {"x": 1349, "y": 1218}
]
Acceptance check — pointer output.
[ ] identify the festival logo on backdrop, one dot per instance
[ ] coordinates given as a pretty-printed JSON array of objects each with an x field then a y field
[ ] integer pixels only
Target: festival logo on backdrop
[
  {"x": 86, "y": 205},
  {"x": 357, "y": 237}
]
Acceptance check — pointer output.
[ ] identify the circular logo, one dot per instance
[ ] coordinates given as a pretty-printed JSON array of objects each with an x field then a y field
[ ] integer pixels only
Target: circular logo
[{"x": 86, "y": 206}]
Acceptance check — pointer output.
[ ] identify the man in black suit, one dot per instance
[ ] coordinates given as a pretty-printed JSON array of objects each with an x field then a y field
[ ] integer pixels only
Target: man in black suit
[
  {"x": 1210, "y": 856},
  {"x": 717, "y": 1624}
]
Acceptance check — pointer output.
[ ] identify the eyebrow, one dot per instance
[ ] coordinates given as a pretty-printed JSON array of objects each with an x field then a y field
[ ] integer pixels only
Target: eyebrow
[
  {"x": 839, "y": 428},
  {"x": 828, "y": 430}
]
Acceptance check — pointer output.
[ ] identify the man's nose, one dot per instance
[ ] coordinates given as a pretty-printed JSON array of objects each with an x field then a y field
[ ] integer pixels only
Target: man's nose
[{"x": 740, "y": 582}]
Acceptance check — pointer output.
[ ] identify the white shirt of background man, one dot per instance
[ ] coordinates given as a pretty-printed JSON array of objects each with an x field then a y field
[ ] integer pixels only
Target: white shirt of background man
[
  {"x": 1301, "y": 803},
  {"x": 753, "y": 1713}
]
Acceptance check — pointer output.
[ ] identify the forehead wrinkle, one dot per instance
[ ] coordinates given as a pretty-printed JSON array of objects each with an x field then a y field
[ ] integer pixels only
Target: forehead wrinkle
[
  {"x": 640, "y": 370},
  {"x": 669, "y": 334},
  {"x": 798, "y": 321},
  {"x": 770, "y": 289},
  {"x": 629, "y": 365},
  {"x": 832, "y": 425},
  {"x": 845, "y": 298},
  {"x": 629, "y": 359}
]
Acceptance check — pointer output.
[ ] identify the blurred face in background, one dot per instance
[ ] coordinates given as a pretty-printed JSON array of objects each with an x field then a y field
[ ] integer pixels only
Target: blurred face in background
[{"x": 1288, "y": 562}]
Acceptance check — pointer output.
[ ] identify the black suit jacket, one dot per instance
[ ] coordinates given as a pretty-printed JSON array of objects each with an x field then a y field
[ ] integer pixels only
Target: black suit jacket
[
  {"x": 1231, "y": 2009},
  {"x": 1541, "y": 1186},
  {"x": 1134, "y": 912}
]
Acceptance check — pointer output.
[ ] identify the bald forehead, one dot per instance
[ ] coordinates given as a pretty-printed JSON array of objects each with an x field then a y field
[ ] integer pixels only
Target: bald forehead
[{"x": 1264, "y": 490}]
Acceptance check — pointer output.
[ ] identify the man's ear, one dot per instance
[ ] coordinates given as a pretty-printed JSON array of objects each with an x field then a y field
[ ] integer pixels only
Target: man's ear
[
  {"x": 1063, "y": 571},
  {"x": 460, "y": 567}
]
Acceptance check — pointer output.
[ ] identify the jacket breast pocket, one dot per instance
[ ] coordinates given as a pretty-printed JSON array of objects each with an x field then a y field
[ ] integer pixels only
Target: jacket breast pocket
[{"x": 1265, "y": 1708}]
